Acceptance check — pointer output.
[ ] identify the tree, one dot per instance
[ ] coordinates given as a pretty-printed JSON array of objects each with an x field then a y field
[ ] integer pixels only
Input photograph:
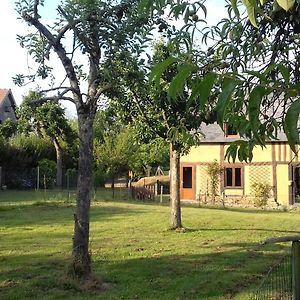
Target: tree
[
  {"x": 98, "y": 30},
  {"x": 263, "y": 56},
  {"x": 155, "y": 153},
  {"x": 149, "y": 108},
  {"x": 113, "y": 136},
  {"x": 47, "y": 119},
  {"x": 255, "y": 66},
  {"x": 116, "y": 153}
]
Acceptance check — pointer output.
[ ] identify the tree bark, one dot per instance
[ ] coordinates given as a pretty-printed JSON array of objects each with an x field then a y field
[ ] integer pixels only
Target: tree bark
[
  {"x": 81, "y": 255},
  {"x": 59, "y": 163},
  {"x": 175, "y": 189}
]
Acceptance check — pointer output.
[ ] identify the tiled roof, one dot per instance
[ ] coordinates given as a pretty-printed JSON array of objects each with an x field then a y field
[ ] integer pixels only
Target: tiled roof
[
  {"x": 214, "y": 134},
  {"x": 3, "y": 93}
]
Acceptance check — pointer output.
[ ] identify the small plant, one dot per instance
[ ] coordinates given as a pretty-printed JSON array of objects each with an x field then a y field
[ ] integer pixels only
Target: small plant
[
  {"x": 261, "y": 192},
  {"x": 214, "y": 170},
  {"x": 47, "y": 173}
]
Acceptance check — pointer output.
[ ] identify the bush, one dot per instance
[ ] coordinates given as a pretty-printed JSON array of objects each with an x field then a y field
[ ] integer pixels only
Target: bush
[
  {"x": 214, "y": 170},
  {"x": 47, "y": 173},
  {"x": 261, "y": 192}
]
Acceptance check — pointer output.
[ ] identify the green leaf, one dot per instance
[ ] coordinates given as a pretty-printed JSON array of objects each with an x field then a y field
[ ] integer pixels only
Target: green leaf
[
  {"x": 260, "y": 76},
  {"x": 255, "y": 99},
  {"x": 160, "y": 68},
  {"x": 231, "y": 152},
  {"x": 250, "y": 11},
  {"x": 186, "y": 15},
  {"x": 291, "y": 124},
  {"x": 285, "y": 73},
  {"x": 203, "y": 88},
  {"x": 235, "y": 8},
  {"x": 177, "y": 84},
  {"x": 203, "y": 7},
  {"x": 228, "y": 87},
  {"x": 286, "y": 4}
]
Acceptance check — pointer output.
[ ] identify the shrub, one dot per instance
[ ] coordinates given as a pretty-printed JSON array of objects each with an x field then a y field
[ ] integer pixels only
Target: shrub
[
  {"x": 47, "y": 173},
  {"x": 261, "y": 192},
  {"x": 214, "y": 170}
]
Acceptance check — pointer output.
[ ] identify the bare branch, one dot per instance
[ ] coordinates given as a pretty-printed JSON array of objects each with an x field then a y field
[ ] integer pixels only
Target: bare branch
[
  {"x": 35, "y": 9},
  {"x": 57, "y": 98},
  {"x": 66, "y": 88},
  {"x": 66, "y": 62}
]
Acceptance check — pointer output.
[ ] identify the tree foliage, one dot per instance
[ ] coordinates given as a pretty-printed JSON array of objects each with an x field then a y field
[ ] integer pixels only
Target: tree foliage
[
  {"x": 8, "y": 128},
  {"x": 254, "y": 73},
  {"x": 46, "y": 119},
  {"x": 22, "y": 151},
  {"x": 269, "y": 64}
]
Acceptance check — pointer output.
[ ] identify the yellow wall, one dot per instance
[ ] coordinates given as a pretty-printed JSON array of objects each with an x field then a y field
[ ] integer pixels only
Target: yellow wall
[
  {"x": 282, "y": 184},
  {"x": 259, "y": 154},
  {"x": 262, "y": 154},
  {"x": 256, "y": 174},
  {"x": 204, "y": 153},
  {"x": 233, "y": 192},
  {"x": 201, "y": 180},
  {"x": 260, "y": 172}
]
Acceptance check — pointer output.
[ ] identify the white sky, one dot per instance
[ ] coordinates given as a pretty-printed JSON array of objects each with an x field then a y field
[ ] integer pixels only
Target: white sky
[{"x": 14, "y": 59}]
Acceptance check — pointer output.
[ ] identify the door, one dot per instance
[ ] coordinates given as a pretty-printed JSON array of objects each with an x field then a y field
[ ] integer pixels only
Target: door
[{"x": 187, "y": 186}]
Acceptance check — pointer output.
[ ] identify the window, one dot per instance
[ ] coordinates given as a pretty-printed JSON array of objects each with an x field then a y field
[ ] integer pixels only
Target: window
[
  {"x": 187, "y": 177},
  {"x": 233, "y": 177},
  {"x": 229, "y": 130}
]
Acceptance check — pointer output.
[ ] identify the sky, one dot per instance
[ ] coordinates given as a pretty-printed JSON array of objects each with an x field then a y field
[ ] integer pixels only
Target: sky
[{"x": 14, "y": 60}]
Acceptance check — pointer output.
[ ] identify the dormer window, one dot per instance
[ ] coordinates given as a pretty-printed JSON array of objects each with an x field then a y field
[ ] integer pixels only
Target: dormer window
[{"x": 229, "y": 131}]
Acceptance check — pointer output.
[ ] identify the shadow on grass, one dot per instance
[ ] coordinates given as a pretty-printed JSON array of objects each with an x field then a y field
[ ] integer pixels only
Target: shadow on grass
[
  {"x": 241, "y": 210},
  {"x": 49, "y": 213},
  {"x": 208, "y": 276},
  {"x": 252, "y": 229},
  {"x": 218, "y": 275}
]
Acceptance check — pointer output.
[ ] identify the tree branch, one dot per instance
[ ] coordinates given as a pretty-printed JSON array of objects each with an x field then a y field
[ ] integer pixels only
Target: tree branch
[
  {"x": 103, "y": 89},
  {"x": 35, "y": 9},
  {"x": 289, "y": 238},
  {"x": 58, "y": 88},
  {"x": 66, "y": 62}
]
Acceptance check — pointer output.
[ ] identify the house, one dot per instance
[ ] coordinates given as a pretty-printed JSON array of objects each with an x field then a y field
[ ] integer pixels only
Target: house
[
  {"x": 7, "y": 105},
  {"x": 275, "y": 165}
]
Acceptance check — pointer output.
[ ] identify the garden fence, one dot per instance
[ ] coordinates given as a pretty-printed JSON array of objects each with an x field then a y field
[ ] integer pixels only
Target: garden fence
[
  {"x": 283, "y": 280},
  {"x": 33, "y": 178},
  {"x": 278, "y": 282}
]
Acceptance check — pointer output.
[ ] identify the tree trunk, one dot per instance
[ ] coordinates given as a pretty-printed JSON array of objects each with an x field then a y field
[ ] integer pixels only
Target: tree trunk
[
  {"x": 175, "y": 189},
  {"x": 113, "y": 186},
  {"x": 81, "y": 256},
  {"x": 59, "y": 162}
]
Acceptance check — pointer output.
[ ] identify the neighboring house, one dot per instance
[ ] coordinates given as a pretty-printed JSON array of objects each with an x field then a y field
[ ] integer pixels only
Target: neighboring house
[
  {"x": 275, "y": 165},
  {"x": 7, "y": 105}
]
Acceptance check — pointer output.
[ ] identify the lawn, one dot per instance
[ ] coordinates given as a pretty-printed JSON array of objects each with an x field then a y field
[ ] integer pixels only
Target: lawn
[{"x": 217, "y": 257}]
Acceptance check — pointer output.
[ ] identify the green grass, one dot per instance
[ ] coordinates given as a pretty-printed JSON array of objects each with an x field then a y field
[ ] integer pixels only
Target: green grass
[{"x": 217, "y": 257}]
